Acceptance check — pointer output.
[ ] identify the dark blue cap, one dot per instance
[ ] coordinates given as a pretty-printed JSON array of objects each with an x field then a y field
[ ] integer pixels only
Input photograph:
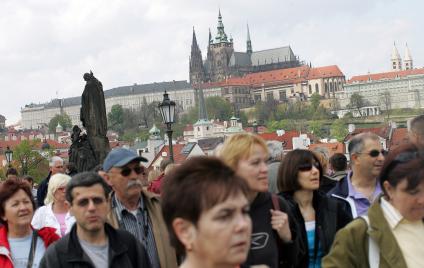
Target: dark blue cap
[{"x": 120, "y": 157}]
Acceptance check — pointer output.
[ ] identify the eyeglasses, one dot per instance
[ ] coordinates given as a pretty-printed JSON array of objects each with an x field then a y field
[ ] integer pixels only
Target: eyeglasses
[
  {"x": 308, "y": 166},
  {"x": 85, "y": 201},
  {"x": 126, "y": 171},
  {"x": 375, "y": 153}
]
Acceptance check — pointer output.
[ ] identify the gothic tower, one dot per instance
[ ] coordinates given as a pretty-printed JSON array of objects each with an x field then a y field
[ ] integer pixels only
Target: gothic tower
[
  {"x": 248, "y": 42},
  {"x": 396, "y": 60},
  {"x": 196, "y": 63},
  {"x": 219, "y": 53},
  {"x": 408, "y": 64}
]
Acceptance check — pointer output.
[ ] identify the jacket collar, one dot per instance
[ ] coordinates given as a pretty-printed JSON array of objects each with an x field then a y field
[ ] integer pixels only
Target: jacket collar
[
  {"x": 73, "y": 251},
  {"x": 381, "y": 233}
]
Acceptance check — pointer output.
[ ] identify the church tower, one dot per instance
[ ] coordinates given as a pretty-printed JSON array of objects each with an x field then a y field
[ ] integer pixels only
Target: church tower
[
  {"x": 196, "y": 63},
  {"x": 396, "y": 60},
  {"x": 408, "y": 64},
  {"x": 248, "y": 42},
  {"x": 203, "y": 127},
  {"x": 219, "y": 53}
]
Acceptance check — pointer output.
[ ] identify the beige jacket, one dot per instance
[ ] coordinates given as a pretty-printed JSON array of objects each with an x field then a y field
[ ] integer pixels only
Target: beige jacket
[{"x": 166, "y": 253}]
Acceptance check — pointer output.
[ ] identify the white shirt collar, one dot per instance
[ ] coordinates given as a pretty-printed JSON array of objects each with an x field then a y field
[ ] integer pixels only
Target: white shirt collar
[{"x": 391, "y": 214}]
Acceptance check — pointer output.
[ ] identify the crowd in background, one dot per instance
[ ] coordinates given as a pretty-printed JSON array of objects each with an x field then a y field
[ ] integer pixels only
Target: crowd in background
[{"x": 250, "y": 205}]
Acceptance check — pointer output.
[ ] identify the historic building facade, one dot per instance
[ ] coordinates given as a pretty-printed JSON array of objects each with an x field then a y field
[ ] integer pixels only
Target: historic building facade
[
  {"x": 35, "y": 116},
  {"x": 223, "y": 62}
]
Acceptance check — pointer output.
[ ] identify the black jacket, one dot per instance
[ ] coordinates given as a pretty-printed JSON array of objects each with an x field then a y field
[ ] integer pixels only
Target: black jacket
[
  {"x": 266, "y": 247},
  {"x": 42, "y": 190},
  {"x": 341, "y": 192},
  {"x": 124, "y": 251},
  {"x": 330, "y": 216}
]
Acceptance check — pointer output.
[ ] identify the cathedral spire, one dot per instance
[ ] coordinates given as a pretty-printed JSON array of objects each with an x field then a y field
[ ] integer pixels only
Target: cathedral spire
[
  {"x": 408, "y": 59},
  {"x": 220, "y": 36},
  {"x": 248, "y": 42},
  {"x": 203, "y": 115},
  {"x": 395, "y": 59},
  {"x": 196, "y": 62},
  {"x": 210, "y": 37}
]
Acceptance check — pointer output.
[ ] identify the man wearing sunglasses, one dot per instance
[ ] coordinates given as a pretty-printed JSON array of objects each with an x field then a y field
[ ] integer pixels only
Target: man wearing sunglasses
[
  {"x": 360, "y": 187},
  {"x": 136, "y": 210},
  {"x": 92, "y": 242}
]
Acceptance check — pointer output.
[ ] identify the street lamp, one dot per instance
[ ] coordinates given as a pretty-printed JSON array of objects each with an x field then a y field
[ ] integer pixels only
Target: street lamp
[
  {"x": 9, "y": 156},
  {"x": 167, "y": 110}
]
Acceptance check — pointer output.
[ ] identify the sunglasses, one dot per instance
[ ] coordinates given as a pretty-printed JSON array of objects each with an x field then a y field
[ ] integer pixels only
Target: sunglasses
[
  {"x": 308, "y": 166},
  {"x": 375, "y": 153},
  {"x": 85, "y": 201},
  {"x": 126, "y": 171}
]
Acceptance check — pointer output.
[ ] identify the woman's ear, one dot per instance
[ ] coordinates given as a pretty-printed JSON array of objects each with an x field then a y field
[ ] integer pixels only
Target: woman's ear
[
  {"x": 387, "y": 189},
  {"x": 185, "y": 232}
]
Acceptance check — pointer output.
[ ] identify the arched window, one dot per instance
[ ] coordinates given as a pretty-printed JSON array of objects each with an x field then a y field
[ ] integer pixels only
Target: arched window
[
  {"x": 325, "y": 87},
  {"x": 316, "y": 88},
  {"x": 310, "y": 90}
]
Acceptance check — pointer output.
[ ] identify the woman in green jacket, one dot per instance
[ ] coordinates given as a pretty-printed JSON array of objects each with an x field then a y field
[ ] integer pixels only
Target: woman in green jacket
[{"x": 391, "y": 234}]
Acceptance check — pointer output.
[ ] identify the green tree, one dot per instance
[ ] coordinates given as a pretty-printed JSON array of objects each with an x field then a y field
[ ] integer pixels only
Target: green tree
[
  {"x": 338, "y": 129},
  {"x": 357, "y": 102},
  {"x": 63, "y": 119},
  {"x": 316, "y": 127},
  {"x": 116, "y": 117},
  {"x": 218, "y": 108},
  {"x": 315, "y": 101},
  {"x": 29, "y": 161}
]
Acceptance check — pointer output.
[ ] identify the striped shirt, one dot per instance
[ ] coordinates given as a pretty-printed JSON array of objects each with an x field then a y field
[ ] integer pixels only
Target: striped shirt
[{"x": 138, "y": 223}]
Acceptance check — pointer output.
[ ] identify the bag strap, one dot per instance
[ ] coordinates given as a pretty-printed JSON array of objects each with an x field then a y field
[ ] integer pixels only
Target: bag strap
[
  {"x": 275, "y": 202},
  {"x": 32, "y": 249},
  {"x": 373, "y": 250}
]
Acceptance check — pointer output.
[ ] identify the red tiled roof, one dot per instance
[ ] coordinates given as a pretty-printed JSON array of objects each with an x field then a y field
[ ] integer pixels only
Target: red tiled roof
[
  {"x": 178, "y": 157},
  {"x": 52, "y": 143},
  {"x": 280, "y": 76},
  {"x": 386, "y": 75},
  {"x": 383, "y": 132},
  {"x": 399, "y": 137},
  {"x": 261, "y": 129},
  {"x": 332, "y": 148},
  {"x": 188, "y": 127},
  {"x": 287, "y": 138}
]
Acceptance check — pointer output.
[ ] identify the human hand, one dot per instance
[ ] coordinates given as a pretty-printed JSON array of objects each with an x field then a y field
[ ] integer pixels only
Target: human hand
[{"x": 280, "y": 223}]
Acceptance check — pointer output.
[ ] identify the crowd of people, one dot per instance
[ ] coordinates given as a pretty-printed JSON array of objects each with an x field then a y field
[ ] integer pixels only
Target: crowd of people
[{"x": 249, "y": 205}]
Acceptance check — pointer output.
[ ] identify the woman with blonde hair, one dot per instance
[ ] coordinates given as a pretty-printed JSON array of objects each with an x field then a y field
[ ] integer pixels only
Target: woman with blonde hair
[
  {"x": 55, "y": 213},
  {"x": 274, "y": 240}
]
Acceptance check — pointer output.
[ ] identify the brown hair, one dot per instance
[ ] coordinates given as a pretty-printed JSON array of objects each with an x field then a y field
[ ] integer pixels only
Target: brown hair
[
  {"x": 240, "y": 146},
  {"x": 196, "y": 186},
  {"x": 8, "y": 188},
  {"x": 404, "y": 162},
  {"x": 287, "y": 180}
]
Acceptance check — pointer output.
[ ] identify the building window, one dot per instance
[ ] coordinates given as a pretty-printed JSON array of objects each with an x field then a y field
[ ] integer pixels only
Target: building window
[
  {"x": 282, "y": 95},
  {"x": 310, "y": 90},
  {"x": 269, "y": 96},
  {"x": 316, "y": 88}
]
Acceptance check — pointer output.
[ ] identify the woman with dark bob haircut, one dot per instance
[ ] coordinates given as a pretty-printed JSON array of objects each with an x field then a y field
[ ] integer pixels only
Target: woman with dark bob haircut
[
  {"x": 206, "y": 211},
  {"x": 20, "y": 245},
  {"x": 392, "y": 233},
  {"x": 319, "y": 216}
]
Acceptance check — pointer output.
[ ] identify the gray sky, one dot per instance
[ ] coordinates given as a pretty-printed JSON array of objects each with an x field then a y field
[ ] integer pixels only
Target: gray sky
[{"x": 46, "y": 46}]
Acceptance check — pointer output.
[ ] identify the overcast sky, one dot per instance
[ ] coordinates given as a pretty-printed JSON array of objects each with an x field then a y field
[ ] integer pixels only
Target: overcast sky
[{"x": 46, "y": 46}]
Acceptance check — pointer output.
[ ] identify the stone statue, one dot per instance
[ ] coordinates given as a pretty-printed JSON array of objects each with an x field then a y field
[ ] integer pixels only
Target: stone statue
[
  {"x": 81, "y": 153},
  {"x": 93, "y": 117}
]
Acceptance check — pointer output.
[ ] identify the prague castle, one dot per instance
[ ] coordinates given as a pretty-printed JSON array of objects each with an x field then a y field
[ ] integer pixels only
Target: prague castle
[{"x": 223, "y": 62}]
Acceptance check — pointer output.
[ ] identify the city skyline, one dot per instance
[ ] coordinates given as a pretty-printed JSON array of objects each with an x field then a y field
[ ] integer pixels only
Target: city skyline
[{"x": 48, "y": 46}]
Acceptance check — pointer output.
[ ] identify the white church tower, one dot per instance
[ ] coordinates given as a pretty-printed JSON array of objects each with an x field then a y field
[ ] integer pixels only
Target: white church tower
[
  {"x": 407, "y": 60},
  {"x": 396, "y": 60}
]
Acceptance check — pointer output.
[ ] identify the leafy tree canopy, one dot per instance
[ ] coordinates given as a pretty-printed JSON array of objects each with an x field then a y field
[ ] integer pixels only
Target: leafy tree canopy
[{"x": 63, "y": 119}]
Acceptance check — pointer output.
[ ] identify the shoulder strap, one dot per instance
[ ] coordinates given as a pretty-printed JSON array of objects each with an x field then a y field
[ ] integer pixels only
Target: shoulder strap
[
  {"x": 275, "y": 202},
  {"x": 32, "y": 249},
  {"x": 373, "y": 250}
]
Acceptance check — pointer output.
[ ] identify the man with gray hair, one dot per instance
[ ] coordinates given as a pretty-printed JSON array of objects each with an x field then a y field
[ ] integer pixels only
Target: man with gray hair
[
  {"x": 56, "y": 166},
  {"x": 275, "y": 149},
  {"x": 416, "y": 131},
  {"x": 360, "y": 186}
]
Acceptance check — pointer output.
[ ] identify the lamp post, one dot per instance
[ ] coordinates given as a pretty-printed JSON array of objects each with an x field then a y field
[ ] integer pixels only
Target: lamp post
[
  {"x": 167, "y": 110},
  {"x": 9, "y": 156}
]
